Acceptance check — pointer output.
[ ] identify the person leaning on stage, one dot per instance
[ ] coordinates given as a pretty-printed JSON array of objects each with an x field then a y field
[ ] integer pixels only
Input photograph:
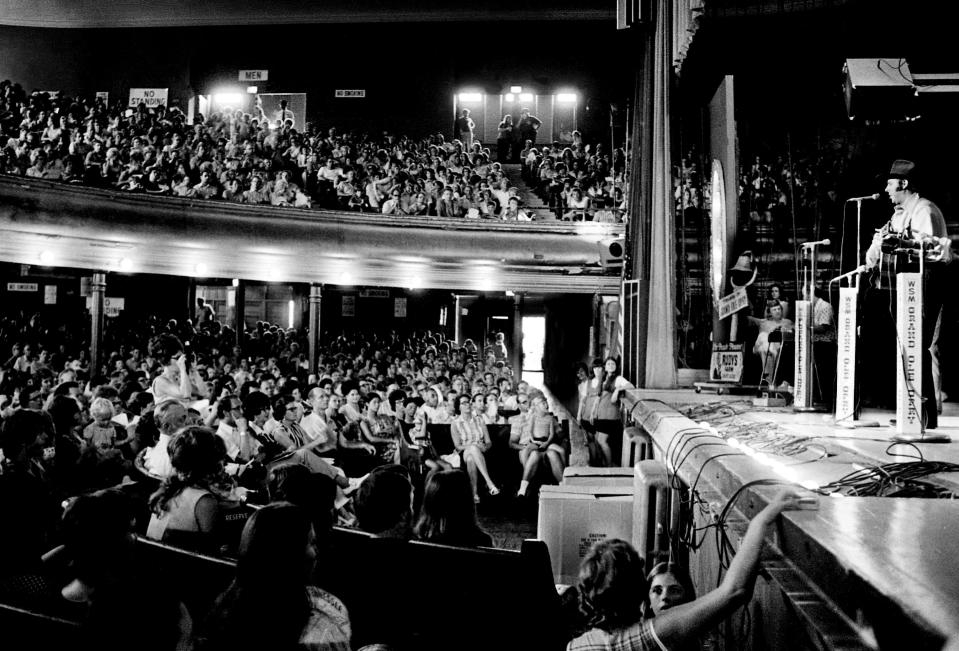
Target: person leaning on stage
[
  {"x": 916, "y": 219},
  {"x": 612, "y": 589}
]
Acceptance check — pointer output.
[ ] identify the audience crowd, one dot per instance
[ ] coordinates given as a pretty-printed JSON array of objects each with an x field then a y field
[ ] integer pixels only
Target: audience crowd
[
  {"x": 577, "y": 181},
  {"x": 208, "y": 427},
  {"x": 241, "y": 157}
]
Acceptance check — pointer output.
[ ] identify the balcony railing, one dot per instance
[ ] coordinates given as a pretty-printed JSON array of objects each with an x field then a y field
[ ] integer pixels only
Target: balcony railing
[{"x": 42, "y": 222}]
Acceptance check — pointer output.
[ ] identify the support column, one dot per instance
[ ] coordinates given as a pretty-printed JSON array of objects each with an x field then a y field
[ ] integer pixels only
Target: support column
[
  {"x": 457, "y": 319},
  {"x": 191, "y": 301},
  {"x": 239, "y": 311},
  {"x": 596, "y": 328},
  {"x": 313, "y": 334},
  {"x": 98, "y": 290},
  {"x": 516, "y": 356}
]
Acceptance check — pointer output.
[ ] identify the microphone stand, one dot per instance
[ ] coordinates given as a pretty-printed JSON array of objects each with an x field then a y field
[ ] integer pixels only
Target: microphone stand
[
  {"x": 910, "y": 360},
  {"x": 803, "y": 396},
  {"x": 847, "y": 403},
  {"x": 858, "y": 232}
]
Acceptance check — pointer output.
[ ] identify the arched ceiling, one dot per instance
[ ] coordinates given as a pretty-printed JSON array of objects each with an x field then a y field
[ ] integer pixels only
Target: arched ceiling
[{"x": 189, "y": 13}]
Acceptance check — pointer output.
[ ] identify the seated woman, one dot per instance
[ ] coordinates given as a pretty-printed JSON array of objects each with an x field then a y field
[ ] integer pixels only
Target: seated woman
[
  {"x": 355, "y": 456},
  {"x": 271, "y": 591},
  {"x": 471, "y": 440},
  {"x": 179, "y": 381},
  {"x": 769, "y": 340},
  {"x": 538, "y": 438},
  {"x": 186, "y": 504},
  {"x": 775, "y": 295},
  {"x": 577, "y": 206},
  {"x": 381, "y": 430},
  {"x": 612, "y": 588},
  {"x": 448, "y": 515}
]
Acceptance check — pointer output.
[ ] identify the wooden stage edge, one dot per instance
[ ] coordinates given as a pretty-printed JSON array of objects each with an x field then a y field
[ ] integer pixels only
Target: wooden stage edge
[{"x": 887, "y": 564}]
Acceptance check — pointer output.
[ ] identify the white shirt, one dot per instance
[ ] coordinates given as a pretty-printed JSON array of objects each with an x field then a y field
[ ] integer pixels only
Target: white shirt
[
  {"x": 316, "y": 428},
  {"x": 230, "y": 436},
  {"x": 157, "y": 460}
]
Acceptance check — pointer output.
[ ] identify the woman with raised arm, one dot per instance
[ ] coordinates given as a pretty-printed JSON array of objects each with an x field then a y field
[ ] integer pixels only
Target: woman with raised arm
[
  {"x": 179, "y": 380},
  {"x": 612, "y": 591}
]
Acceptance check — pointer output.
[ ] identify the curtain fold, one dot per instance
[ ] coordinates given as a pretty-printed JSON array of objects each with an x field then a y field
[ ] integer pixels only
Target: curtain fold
[{"x": 660, "y": 340}]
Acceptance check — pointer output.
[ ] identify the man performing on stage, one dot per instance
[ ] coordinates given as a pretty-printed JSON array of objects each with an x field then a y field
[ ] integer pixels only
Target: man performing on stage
[{"x": 916, "y": 223}]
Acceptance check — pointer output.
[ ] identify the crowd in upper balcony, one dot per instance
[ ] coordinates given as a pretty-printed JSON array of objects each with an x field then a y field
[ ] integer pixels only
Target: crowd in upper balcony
[
  {"x": 577, "y": 181},
  {"x": 248, "y": 158}
]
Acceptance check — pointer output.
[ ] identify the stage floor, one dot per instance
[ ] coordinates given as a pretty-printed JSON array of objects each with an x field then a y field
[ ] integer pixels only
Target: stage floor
[{"x": 888, "y": 562}]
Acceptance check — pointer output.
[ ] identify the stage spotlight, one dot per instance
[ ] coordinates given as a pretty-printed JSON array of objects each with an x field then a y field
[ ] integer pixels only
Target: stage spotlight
[
  {"x": 516, "y": 89},
  {"x": 526, "y": 97},
  {"x": 510, "y": 97},
  {"x": 566, "y": 98},
  {"x": 471, "y": 97},
  {"x": 611, "y": 251}
]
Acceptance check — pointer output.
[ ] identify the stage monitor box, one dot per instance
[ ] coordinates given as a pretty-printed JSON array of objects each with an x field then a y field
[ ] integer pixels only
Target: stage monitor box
[
  {"x": 572, "y": 518},
  {"x": 590, "y": 476},
  {"x": 879, "y": 90}
]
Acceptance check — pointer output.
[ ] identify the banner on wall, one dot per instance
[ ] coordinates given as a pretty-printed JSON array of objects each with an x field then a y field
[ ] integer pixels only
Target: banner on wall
[
  {"x": 151, "y": 97},
  {"x": 49, "y": 294},
  {"x": 349, "y": 305},
  {"x": 399, "y": 308},
  {"x": 22, "y": 287}
]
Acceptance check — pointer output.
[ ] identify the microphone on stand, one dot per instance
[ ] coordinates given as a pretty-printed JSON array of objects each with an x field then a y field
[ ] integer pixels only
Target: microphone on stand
[
  {"x": 868, "y": 198},
  {"x": 861, "y": 269},
  {"x": 825, "y": 242}
]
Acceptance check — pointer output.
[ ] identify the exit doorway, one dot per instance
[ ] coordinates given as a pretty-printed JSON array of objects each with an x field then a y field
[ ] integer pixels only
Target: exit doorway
[{"x": 534, "y": 343}]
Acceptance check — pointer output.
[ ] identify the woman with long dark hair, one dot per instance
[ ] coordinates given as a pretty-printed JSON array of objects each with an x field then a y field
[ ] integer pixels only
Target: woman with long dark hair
[
  {"x": 448, "y": 514},
  {"x": 187, "y": 502},
  {"x": 270, "y": 604},
  {"x": 605, "y": 388}
]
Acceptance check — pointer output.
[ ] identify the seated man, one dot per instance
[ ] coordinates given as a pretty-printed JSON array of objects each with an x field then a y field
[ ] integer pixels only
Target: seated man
[
  {"x": 170, "y": 417},
  {"x": 769, "y": 341}
]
